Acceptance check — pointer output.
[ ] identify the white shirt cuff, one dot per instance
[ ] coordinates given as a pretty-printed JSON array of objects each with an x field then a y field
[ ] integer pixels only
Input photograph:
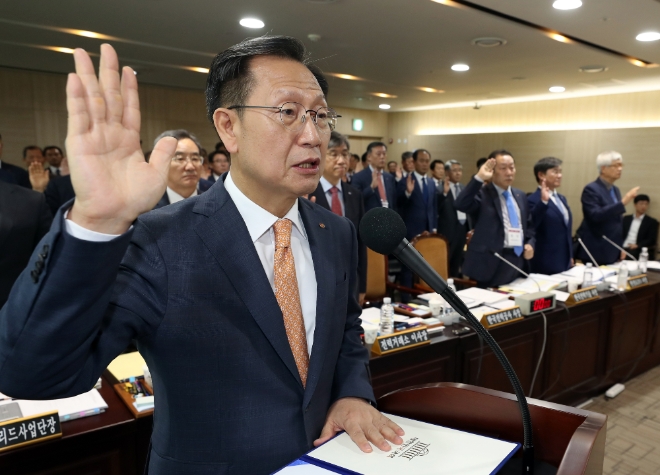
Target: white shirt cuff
[
  {"x": 84, "y": 234},
  {"x": 478, "y": 178}
]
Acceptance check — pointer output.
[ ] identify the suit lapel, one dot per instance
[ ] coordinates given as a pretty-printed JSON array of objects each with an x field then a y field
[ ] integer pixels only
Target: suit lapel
[
  {"x": 495, "y": 196},
  {"x": 321, "y": 244},
  {"x": 350, "y": 210},
  {"x": 226, "y": 236}
]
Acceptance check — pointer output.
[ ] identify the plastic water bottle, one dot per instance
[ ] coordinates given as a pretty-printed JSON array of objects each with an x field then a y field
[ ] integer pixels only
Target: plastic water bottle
[
  {"x": 386, "y": 317},
  {"x": 622, "y": 280},
  {"x": 588, "y": 278},
  {"x": 643, "y": 260},
  {"x": 451, "y": 316}
]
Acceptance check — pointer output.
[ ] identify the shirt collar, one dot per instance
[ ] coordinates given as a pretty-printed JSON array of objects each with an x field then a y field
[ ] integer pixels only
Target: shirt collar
[
  {"x": 501, "y": 190},
  {"x": 327, "y": 185},
  {"x": 175, "y": 197},
  {"x": 607, "y": 185},
  {"x": 257, "y": 219},
  {"x": 640, "y": 218},
  {"x": 419, "y": 176}
]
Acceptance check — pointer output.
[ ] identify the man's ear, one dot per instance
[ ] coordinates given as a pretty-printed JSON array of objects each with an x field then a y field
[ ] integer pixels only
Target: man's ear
[{"x": 227, "y": 125}]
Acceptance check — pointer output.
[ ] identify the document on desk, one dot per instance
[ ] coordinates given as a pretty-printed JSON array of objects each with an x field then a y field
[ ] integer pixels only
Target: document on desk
[
  {"x": 468, "y": 301},
  {"x": 481, "y": 295},
  {"x": 86, "y": 404},
  {"x": 427, "y": 449},
  {"x": 300, "y": 467}
]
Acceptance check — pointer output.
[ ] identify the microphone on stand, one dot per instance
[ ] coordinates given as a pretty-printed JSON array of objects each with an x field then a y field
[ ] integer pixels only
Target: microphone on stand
[
  {"x": 602, "y": 286},
  {"x": 635, "y": 272},
  {"x": 510, "y": 264},
  {"x": 383, "y": 231}
]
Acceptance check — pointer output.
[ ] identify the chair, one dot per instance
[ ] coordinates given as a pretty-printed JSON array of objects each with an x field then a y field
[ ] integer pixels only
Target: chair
[{"x": 376, "y": 277}]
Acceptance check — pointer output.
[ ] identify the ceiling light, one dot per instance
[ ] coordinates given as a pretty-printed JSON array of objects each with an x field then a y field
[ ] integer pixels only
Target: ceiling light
[
  {"x": 197, "y": 70},
  {"x": 460, "y": 67},
  {"x": 489, "y": 42},
  {"x": 557, "y": 89},
  {"x": 384, "y": 106},
  {"x": 593, "y": 69},
  {"x": 638, "y": 62},
  {"x": 430, "y": 89},
  {"x": 251, "y": 23},
  {"x": 567, "y": 4},
  {"x": 648, "y": 36},
  {"x": 444, "y": 2},
  {"x": 560, "y": 38},
  {"x": 88, "y": 34},
  {"x": 383, "y": 95},
  {"x": 350, "y": 77},
  {"x": 59, "y": 49}
]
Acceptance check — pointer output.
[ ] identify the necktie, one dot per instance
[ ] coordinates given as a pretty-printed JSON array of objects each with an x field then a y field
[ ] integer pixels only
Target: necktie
[
  {"x": 425, "y": 190},
  {"x": 288, "y": 297},
  {"x": 613, "y": 195},
  {"x": 336, "y": 205},
  {"x": 560, "y": 205},
  {"x": 381, "y": 187},
  {"x": 513, "y": 217}
]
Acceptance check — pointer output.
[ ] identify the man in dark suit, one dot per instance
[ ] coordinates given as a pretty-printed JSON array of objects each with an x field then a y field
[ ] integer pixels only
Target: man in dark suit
[
  {"x": 24, "y": 219},
  {"x": 54, "y": 156},
  {"x": 219, "y": 162},
  {"x": 59, "y": 192},
  {"x": 377, "y": 186},
  {"x": 342, "y": 198},
  {"x": 12, "y": 174},
  {"x": 603, "y": 209},
  {"x": 502, "y": 222},
  {"x": 639, "y": 229},
  {"x": 452, "y": 223},
  {"x": 552, "y": 218},
  {"x": 241, "y": 300}
]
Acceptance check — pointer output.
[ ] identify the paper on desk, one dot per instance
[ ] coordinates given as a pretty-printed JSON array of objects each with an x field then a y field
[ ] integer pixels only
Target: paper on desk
[
  {"x": 478, "y": 312},
  {"x": 127, "y": 365},
  {"x": 481, "y": 295},
  {"x": 300, "y": 467},
  {"x": 468, "y": 301},
  {"x": 561, "y": 296},
  {"x": 653, "y": 265},
  {"x": 85, "y": 404},
  {"x": 427, "y": 449},
  {"x": 503, "y": 305}
]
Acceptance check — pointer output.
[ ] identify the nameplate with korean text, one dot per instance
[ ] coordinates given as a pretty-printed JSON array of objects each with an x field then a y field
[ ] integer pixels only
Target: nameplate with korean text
[
  {"x": 386, "y": 344},
  {"x": 638, "y": 281},
  {"x": 583, "y": 295},
  {"x": 29, "y": 430},
  {"x": 501, "y": 317}
]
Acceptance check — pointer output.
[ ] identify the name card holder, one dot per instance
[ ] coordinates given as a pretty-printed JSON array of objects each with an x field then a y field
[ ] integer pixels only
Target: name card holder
[
  {"x": 582, "y": 295},
  {"x": 29, "y": 430},
  {"x": 386, "y": 344},
  {"x": 637, "y": 281},
  {"x": 501, "y": 317}
]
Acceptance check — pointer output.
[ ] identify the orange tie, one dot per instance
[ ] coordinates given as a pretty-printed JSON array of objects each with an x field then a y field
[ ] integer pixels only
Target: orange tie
[{"x": 288, "y": 297}]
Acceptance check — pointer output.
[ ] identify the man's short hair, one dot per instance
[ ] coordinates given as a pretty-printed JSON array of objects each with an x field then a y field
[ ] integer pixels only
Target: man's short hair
[
  {"x": 53, "y": 147},
  {"x": 405, "y": 156},
  {"x": 179, "y": 134},
  {"x": 363, "y": 158},
  {"x": 355, "y": 156},
  {"x": 220, "y": 145},
  {"x": 449, "y": 163},
  {"x": 435, "y": 162},
  {"x": 545, "y": 164},
  {"x": 497, "y": 153},
  {"x": 31, "y": 147},
  {"x": 337, "y": 139},
  {"x": 606, "y": 159},
  {"x": 374, "y": 145},
  {"x": 418, "y": 151},
  {"x": 219, "y": 152},
  {"x": 230, "y": 79},
  {"x": 481, "y": 161},
  {"x": 390, "y": 163},
  {"x": 642, "y": 198}
]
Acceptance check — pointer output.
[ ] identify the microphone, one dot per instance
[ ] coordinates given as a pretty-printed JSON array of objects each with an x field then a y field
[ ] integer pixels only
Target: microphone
[
  {"x": 603, "y": 285},
  {"x": 620, "y": 248},
  {"x": 383, "y": 231},
  {"x": 510, "y": 264}
]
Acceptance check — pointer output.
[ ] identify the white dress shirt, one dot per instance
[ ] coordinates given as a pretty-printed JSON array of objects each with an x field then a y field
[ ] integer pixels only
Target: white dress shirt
[
  {"x": 634, "y": 230},
  {"x": 327, "y": 186},
  {"x": 259, "y": 223},
  {"x": 175, "y": 197}
]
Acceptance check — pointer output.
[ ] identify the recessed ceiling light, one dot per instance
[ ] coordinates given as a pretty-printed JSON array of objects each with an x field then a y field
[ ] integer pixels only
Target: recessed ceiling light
[
  {"x": 557, "y": 89},
  {"x": 648, "y": 36},
  {"x": 638, "y": 62},
  {"x": 384, "y": 95},
  {"x": 489, "y": 42},
  {"x": 567, "y": 4},
  {"x": 460, "y": 67},
  {"x": 251, "y": 23},
  {"x": 59, "y": 49},
  {"x": 560, "y": 38},
  {"x": 384, "y": 106},
  {"x": 197, "y": 70},
  {"x": 350, "y": 77},
  {"x": 593, "y": 69},
  {"x": 430, "y": 89}
]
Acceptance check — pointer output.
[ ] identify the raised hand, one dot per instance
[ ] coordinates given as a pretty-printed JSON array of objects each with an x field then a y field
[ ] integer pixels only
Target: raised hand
[
  {"x": 112, "y": 181},
  {"x": 630, "y": 195},
  {"x": 545, "y": 191},
  {"x": 374, "y": 179},
  {"x": 410, "y": 183},
  {"x": 486, "y": 170},
  {"x": 446, "y": 186},
  {"x": 39, "y": 177}
]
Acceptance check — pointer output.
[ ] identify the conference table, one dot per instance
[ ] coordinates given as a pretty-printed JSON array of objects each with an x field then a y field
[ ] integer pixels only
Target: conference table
[{"x": 589, "y": 348}]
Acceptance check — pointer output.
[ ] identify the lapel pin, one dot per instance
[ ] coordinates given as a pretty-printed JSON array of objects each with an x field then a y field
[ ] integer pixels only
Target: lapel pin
[{"x": 321, "y": 225}]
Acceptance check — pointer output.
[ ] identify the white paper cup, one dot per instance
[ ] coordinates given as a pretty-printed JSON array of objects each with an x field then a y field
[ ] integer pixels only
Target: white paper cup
[
  {"x": 436, "y": 307},
  {"x": 572, "y": 286},
  {"x": 370, "y": 335}
]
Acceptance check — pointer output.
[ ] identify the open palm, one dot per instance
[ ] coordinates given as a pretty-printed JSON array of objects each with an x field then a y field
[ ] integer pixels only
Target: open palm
[{"x": 113, "y": 182}]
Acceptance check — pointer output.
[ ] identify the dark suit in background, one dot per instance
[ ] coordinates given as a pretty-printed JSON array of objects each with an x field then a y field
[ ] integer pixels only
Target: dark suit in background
[
  {"x": 647, "y": 236},
  {"x": 187, "y": 283},
  {"x": 451, "y": 228},
  {"x": 419, "y": 211},
  {"x": 24, "y": 220},
  {"x": 12, "y": 174},
  {"x": 554, "y": 242},
  {"x": 603, "y": 215},
  {"x": 362, "y": 181},
  {"x": 482, "y": 202},
  {"x": 353, "y": 210},
  {"x": 58, "y": 192}
]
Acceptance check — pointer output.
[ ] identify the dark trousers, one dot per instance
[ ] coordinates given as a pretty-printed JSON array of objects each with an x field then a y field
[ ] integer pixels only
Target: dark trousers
[
  {"x": 505, "y": 274},
  {"x": 456, "y": 250}
]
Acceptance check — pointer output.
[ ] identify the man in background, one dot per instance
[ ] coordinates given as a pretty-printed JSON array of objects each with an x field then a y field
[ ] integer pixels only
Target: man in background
[
  {"x": 603, "y": 209},
  {"x": 12, "y": 174},
  {"x": 354, "y": 166},
  {"x": 342, "y": 198},
  {"x": 640, "y": 230},
  {"x": 407, "y": 165},
  {"x": 553, "y": 220},
  {"x": 34, "y": 160},
  {"x": 438, "y": 174},
  {"x": 219, "y": 162},
  {"x": 502, "y": 222},
  {"x": 54, "y": 156},
  {"x": 452, "y": 223},
  {"x": 378, "y": 187}
]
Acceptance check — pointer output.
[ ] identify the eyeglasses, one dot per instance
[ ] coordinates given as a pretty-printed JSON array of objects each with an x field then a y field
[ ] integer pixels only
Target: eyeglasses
[
  {"x": 293, "y": 116},
  {"x": 182, "y": 158},
  {"x": 344, "y": 155}
]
